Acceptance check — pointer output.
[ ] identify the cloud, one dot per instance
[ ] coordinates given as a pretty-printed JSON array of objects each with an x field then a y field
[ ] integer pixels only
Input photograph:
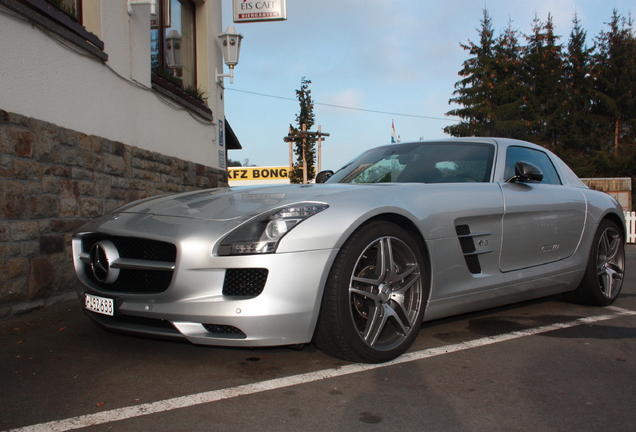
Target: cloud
[{"x": 347, "y": 98}]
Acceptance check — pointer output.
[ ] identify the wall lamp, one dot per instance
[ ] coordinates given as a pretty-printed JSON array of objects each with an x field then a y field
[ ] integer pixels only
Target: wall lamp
[{"x": 231, "y": 44}]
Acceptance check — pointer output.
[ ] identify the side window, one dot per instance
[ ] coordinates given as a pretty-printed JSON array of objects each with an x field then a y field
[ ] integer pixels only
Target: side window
[
  {"x": 450, "y": 163},
  {"x": 172, "y": 38},
  {"x": 535, "y": 157}
]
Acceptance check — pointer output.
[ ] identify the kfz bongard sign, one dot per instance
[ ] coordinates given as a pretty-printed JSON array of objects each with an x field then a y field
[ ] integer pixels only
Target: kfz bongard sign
[
  {"x": 244, "y": 176},
  {"x": 251, "y": 10}
]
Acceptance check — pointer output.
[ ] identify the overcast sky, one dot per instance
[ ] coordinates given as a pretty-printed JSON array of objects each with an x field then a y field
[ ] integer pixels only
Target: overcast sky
[{"x": 394, "y": 56}]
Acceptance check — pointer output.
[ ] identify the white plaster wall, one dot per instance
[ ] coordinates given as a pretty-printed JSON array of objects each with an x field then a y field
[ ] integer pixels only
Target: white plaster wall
[{"x": 44, "y": 77}]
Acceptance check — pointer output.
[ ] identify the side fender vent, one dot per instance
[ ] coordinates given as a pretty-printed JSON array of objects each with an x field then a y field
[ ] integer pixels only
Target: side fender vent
[{"x": 467, "y": 243}]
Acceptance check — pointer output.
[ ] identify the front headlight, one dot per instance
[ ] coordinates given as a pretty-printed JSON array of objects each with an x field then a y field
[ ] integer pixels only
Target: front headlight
[{"x": 262, "y": 234}]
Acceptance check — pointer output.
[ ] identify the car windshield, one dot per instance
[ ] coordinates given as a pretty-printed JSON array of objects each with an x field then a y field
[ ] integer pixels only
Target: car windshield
[{"x": 428, "y": 162}]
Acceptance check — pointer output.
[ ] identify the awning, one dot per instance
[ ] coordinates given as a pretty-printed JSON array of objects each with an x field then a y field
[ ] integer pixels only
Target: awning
[{"x": 231, "y": 140}]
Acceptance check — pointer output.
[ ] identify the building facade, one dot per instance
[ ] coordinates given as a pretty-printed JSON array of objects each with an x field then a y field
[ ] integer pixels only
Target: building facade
[{"x": 101, "y": 102}]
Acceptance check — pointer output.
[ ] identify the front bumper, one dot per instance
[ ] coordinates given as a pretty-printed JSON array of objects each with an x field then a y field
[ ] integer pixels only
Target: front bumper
[{"x": 194, "y": 307}]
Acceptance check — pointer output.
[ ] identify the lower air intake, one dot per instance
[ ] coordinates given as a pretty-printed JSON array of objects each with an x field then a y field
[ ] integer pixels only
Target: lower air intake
[
  {"x": 225, "y": 331},
  {"x": 244, "y": 282}
]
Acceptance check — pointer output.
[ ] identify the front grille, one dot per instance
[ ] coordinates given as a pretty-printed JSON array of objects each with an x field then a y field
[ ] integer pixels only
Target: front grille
[
  {"x": 133, "y": 247},
  {"x": 134, "y": 281},
  {"x": 225, "y": 331},
  {"x": 140, "y": 281},
  {"x": 244, "y": 282}
]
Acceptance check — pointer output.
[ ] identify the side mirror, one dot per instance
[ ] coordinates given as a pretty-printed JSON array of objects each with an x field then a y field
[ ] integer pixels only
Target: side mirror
[
  {"x": 526, "y": 172},
  {"x": 323, "y": 176}
]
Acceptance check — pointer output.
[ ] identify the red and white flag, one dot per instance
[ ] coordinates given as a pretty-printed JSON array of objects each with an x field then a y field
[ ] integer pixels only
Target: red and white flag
[{"x": 394, "y": 138}]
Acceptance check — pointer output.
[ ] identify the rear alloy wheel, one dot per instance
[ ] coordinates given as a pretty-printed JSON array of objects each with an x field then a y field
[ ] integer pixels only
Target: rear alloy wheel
[
  {"x": 603, "y": 277},
  {"x": 374, "y": 300}
]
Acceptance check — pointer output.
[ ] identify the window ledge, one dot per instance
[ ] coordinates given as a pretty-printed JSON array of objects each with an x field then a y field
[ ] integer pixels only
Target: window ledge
[
  {"x": 51, "y": 19},
  {"x": 176, "y": 93}
]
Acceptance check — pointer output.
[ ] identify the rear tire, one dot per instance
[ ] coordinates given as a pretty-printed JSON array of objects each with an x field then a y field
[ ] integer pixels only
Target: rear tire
[
  {"x": 374, "y": 299},
  {"x": 605, "y": 269}
]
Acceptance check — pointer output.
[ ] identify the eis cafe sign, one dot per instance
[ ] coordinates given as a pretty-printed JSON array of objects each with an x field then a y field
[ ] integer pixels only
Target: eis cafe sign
[{"x": 252, "y": 10}]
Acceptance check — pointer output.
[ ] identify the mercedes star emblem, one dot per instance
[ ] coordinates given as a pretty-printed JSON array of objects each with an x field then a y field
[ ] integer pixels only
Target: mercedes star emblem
[{"x": 103, "y": 254}]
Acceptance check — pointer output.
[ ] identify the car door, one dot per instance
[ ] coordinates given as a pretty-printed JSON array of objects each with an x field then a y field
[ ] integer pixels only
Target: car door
[{"x": 543, "y": 222}]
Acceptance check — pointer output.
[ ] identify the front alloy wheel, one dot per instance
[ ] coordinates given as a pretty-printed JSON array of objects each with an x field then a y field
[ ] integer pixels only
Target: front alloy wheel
[
  {"x": 385, "y": 293},
  {"x": 374, "y": 300}
]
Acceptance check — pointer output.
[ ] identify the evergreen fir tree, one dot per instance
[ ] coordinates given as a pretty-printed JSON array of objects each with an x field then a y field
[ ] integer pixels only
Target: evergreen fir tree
[
  {"x": 579, "y": 137},
  {"x": 474, "y": 90},
  {"x": 616, "y": 83},
  {"x": 508, "y": 92},
  {"x": 543, "y": 64}
]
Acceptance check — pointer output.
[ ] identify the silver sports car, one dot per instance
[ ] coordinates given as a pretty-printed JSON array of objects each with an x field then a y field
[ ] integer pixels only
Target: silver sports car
[{"x": 403, "y": 234}]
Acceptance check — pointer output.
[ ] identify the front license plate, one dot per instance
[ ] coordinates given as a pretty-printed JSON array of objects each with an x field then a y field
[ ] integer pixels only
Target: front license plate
[{"x": 100, "y": 305}]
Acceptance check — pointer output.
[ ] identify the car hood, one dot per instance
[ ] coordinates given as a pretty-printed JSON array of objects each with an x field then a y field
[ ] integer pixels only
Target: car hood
[{"x": 239, "y": 203}]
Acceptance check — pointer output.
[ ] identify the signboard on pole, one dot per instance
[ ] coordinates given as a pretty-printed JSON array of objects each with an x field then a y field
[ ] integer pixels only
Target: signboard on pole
[{"x": 252, "y": 10}]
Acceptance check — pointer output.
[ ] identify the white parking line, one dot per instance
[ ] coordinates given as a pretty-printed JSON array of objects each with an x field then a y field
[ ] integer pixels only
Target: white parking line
[{"x": 216, "y": 395}]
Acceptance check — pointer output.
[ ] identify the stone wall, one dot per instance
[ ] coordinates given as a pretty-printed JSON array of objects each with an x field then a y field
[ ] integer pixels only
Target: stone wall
[{"x": 54, "y": 180}]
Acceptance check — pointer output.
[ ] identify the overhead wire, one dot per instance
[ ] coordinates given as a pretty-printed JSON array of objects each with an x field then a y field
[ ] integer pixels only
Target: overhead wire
[{"x": 346, "y": 107}]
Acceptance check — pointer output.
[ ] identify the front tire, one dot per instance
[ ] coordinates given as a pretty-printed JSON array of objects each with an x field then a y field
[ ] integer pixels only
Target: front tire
[
  {"x": 605, "y": 270},
  {"x": 374, "y": 299}
]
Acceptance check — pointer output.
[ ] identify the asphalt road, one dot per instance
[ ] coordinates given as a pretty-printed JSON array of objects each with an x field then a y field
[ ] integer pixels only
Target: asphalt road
[{"x": 544, "y": 365}]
